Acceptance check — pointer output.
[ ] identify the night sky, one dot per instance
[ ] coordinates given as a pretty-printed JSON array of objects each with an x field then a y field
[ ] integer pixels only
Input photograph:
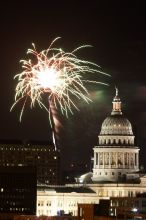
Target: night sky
[{"x": 117, "y": 32}]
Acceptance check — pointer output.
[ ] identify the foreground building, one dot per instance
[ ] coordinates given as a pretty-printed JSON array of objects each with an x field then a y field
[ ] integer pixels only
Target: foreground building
[
  {"x": 18, "y": 189},
  {"x": 115, "y": 170}
]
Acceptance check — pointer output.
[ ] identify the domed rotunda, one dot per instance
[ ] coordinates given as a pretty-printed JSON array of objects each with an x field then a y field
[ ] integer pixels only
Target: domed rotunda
[{"x": 116, "y": 157}]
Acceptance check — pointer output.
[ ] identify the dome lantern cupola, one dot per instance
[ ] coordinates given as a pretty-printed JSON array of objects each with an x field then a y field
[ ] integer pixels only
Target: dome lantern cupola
[{"x": 116, "y": 104}]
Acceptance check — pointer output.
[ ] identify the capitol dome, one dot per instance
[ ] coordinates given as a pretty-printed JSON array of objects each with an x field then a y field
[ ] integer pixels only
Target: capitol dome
[{"x": 116, "y": 125}]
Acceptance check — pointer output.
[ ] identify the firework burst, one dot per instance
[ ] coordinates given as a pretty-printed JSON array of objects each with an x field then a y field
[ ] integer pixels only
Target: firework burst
[{"x": 58, "y": 73}]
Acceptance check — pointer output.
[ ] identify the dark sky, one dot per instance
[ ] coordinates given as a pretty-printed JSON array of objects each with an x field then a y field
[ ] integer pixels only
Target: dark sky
[{"x": 117, "y": 32}]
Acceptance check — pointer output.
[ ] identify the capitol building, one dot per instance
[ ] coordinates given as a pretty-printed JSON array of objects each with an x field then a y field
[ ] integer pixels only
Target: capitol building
[
  {"x": 115, "y": 170},
  {"x": 116, "y": 156}
]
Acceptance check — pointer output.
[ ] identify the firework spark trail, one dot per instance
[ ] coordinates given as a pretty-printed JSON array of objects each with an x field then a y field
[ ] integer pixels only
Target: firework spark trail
[
  {"x": 55, "y": 123},
  {"x": 56, "y": 73}
]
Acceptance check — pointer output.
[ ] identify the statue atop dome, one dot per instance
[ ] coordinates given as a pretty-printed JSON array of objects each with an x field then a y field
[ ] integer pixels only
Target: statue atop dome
[{"x": 116, "y": 104}]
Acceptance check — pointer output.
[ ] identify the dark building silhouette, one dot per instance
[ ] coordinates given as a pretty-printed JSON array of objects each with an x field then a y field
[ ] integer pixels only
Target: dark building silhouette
[
  {"x": 18, "y": 190},
  {"x": 41, "y": 155}
]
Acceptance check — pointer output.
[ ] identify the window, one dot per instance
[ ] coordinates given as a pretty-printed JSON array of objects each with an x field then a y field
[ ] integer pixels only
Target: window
[{"x": 143, "y": 203}]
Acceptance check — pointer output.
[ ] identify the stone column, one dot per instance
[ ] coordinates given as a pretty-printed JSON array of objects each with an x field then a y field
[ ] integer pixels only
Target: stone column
[
  {"x": 137, "y": 160},
  {"x": 109, "y": 160},
  {"x": 130, "y": 156},
  {"x": 100, "y": 159},
  {"x": 123, "y": 160},
  {"x": 103, "y": 159},
  {"x": 116, "y": 159}
]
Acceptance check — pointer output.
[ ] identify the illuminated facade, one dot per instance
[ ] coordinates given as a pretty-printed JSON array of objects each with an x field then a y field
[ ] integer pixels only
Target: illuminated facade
[
  {"x": 40, "y": 155},
  {"x": 51, "y": 201}
]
